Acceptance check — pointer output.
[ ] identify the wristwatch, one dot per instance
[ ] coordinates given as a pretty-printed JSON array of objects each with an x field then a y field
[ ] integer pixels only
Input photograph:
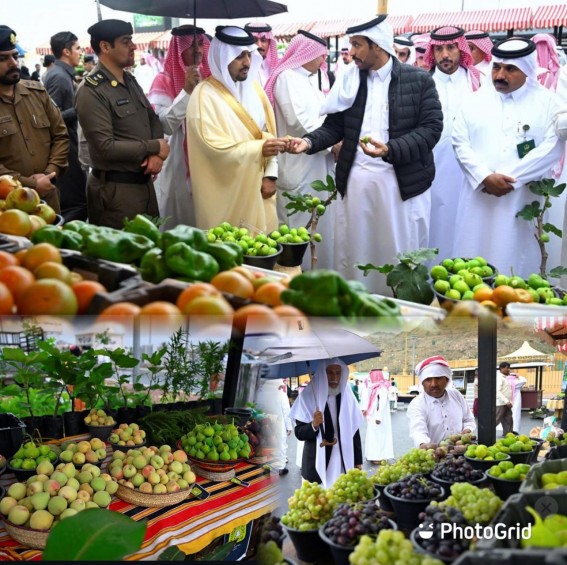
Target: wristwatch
[
  {"x": 309, "y": 143},
  {"x": 272, "y": 178}
]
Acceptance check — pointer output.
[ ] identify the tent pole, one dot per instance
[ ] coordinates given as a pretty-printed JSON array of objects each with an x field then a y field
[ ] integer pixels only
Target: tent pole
[{"x": 487, "y": 345}]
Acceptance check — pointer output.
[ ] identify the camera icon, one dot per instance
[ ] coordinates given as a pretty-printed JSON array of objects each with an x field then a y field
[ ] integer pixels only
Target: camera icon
[{"x": 425, "y": 532}]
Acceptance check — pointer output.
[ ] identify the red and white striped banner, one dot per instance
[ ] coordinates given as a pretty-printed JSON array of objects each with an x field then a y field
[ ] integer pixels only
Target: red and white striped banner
[{"x": 550, "y": 16}]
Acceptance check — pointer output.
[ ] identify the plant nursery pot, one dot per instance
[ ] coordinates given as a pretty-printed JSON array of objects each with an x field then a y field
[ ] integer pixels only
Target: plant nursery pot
[
  {"x": 504, "y": 488},
  {"x": 241, "y": 415},
  {"x": 125, "y": 415},
  {"x": 11, "y": 434},
  {"x": 292, "y": 254},
  {"x": 407, "y": 511},
  {"x": 263, "y": 261},
  {"x": 32, "y": 424},
  {"x": 383, "y": 500},
  {"x": 340, "y": 553},
  {"x": 142, "y": 410},
  {"x": 482, "y": 464},
  {"x": 308, "y": 545},
  {"x": 74, "y": 423},
  {"x": 52, "y": 427},
  {"x": 101, "y": 432}
]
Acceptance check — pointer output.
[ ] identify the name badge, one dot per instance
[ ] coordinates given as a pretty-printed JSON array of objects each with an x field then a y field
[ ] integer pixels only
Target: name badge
[
  {"x": 525, "y": 147},
  {"x": 122, "y": 102}
]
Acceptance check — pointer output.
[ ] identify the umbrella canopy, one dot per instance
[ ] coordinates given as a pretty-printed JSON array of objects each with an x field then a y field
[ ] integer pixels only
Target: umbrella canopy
[
  {"x": 298, "y": 352},
  {"x": 208, "y": 9}
]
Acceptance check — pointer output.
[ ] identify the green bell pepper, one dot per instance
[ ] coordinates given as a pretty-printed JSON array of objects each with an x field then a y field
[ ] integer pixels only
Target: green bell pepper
[
  {"x": 62, "y": 239},
  {"x": 186, "y": 261},
  {"x": 115, "y": 245},
  {"x": 153, "y": 267},
  {"x": 194, "y": 237},
  {"x": 315, "y": 292},
  {"x": 143, "y": 226},
  {"x": 75, "y": 225},
  {"x": 225, "y": 255}
]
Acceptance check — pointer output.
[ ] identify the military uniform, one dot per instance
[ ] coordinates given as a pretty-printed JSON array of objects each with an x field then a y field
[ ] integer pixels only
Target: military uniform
[
  {"x": 121, "y": 129},
  {"x": 33, "y": 136}
]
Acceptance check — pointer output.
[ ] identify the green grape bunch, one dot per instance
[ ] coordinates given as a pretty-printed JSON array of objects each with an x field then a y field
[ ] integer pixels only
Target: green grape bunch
[
  {"x": 310, "y": 507},
  {"x": 478, "y": 505},
  {"x": 352, "y": 486}
]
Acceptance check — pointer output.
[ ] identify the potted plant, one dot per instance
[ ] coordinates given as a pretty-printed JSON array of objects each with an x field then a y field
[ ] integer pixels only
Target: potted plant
[
  {"x": 179, "y": 368},
  {"x": 142, "y": 392},
  {"x": 209, "y": 364}
]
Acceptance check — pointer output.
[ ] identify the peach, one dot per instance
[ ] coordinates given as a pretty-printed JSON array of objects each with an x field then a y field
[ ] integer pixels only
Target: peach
[
  {"x": 45, "y": 468},
  {"x": 147, "y": 470},
  {"x": 85, "y": 477},
  {"x": 146, "y": 487},
  {"x": 160, "y": 489},
  {"x": 34, "y": 487},
  {"x": 102, "y": 498},
  {"x": 57, "y": 504},
  {"x": 40, "y": 500},
  {"x": 17, "y": 491},
  {"x": 18, "y": 515},
  {"x": 68, "y": 493},
  {"x": 129, "y": 471},
  {"x": 176, "y": 467},
  {"x": 86, "y": 488},
  {"x": 67, "y": 513},
  {"x": 137, "y": 479},
  {"x": 79, "y": 458},
  {"x": 51, "y": 487},
  {"x": 172, "y": 486},
  {"x": 83, "y": 446},
  {"x": 111, "y": 487},
  {"x": 6, "y": 504},
  {"x": 41, "y": 520},
  {"x": 153, "y": 478},
  {"x": 78, "y": 504},
  {"x": 83, "y": 495},
  {"x": 98, "y": 484},
  {"x": 180, "y": 456}
]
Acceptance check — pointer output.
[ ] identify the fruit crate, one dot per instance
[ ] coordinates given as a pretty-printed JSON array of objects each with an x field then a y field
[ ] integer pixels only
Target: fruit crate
[
  {"x": 532, "y": 482},
  {"x": 113, "y": 276},
  {"x": 511, "y": 557},
  {"x": 514, "y": 514}
]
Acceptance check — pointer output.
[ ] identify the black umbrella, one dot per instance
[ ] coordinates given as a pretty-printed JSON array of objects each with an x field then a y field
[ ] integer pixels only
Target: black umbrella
[{"x": 208, "y": 9}]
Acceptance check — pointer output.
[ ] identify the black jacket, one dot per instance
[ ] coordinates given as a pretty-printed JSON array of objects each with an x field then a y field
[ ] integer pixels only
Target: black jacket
[
  {"x": 415, "y": 126},
  {"x": 304, "y": 432}
]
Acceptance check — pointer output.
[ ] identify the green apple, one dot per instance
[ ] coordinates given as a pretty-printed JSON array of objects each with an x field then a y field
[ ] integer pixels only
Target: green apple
[
  {"x": 439, "y": 272},
  {"x": 454, "y": 278},
  {"x": 500, "y": 280},
  {"x": 468, "y": 295},
  {"x": 453, "y": 294},
  {"x": 486, "y": 271},
  {"x": 448, "y": 264},
  {"x": 441, "y": 286},
  {"x": 473, "y": 280},
  {"x": 461, "y": 286},
  {"x": 481, "y": 261}
]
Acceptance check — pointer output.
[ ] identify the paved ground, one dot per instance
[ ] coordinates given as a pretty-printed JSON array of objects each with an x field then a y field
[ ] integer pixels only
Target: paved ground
[{"x": 402, "y": 444}]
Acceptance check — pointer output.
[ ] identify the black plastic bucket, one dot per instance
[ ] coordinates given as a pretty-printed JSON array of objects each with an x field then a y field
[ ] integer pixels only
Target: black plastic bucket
[
  {"x": 292, "y": 254},
  {"x": 308, "y": 545}
]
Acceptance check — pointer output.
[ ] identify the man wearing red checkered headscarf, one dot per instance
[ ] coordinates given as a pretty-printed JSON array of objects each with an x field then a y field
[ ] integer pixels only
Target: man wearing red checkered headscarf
[
  {"x": 184, "y": 66},
  {"x": 438, "y": 411},
  {"x": 267, "y": 47},
  {"x": 481, "y": 46},
  {"x": 455, "y": 77},
  {"x": 294, "y": 90}
]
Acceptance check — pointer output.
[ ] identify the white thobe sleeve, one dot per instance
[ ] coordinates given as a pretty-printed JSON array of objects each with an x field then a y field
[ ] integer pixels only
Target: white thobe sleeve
[
  {"x": 560, "y": 123},
  {"x": 472, "y": 163},
  {"x": 285, "y": 410},
  {"x": 468, "y": 418},
  {"x": 383, "y": 403},
  {"x": 271, "y": 168},
  {"x": 501, "y": 398},
  {"x": 418, "y": 423},
  {"x": 538, "y": 162},
  {"x": 171, "y": 116}
]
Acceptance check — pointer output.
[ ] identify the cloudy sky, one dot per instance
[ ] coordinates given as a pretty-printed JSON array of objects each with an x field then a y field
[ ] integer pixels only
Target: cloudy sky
[{"x": 35, "y": 21}]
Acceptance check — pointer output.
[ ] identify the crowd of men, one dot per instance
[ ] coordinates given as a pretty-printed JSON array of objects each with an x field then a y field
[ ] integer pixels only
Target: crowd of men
[{"x": 432, "y": 140}]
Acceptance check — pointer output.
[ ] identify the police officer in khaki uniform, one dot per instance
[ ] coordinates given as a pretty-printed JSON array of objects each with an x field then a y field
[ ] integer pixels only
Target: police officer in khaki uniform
[
  {"x": 33, "y": 138},
  {"x": 123, "y": 133}
]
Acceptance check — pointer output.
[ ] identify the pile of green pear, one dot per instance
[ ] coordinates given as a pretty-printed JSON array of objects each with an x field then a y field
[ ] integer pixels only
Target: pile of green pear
[
  {"x": 55, "y": 493},
  {"x": 459, "y": 279},
  {"x": 30, "y": 454}
]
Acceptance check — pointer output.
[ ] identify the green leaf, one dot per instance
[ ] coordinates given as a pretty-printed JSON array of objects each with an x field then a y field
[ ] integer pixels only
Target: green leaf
[
  {"x": 419, "y": 256},
  {"x": 530, "y": 211},
  {"x": 540, "y": 187},
  {"x": 398, "y": 275},
  {"x": 415, "y": 286},
  {"x": 551, "y": 228},
  {"x": 172, "y": 553},
  {"x": 219, "y": 554},
  {"x": 14, "y": 354},
  {"x": 94, "y": 535},
  {"x": 385, "y": 269},
  {"x": 557, "y": 272},
  {"x": 557, "y": 190},
  {"x": 319, "y": 185}
]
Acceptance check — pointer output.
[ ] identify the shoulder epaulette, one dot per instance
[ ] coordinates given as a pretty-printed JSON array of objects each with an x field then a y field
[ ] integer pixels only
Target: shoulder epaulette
[
  {"x": 32, "y": 84},
  {"x": 95, "y": 79}
]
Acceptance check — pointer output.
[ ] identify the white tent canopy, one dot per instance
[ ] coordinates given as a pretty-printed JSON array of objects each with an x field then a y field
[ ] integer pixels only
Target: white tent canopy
[{"x": 526, "y": 350}]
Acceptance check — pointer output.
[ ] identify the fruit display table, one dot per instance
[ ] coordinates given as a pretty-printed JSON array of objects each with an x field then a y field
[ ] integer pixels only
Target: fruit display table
[
  {"x": 531, "y": 399},
  {"x": 191, "y": 525},
  {"x": 558, "y": 406}
]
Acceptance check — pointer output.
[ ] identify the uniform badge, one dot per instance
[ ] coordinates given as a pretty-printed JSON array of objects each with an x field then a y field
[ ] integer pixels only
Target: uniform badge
[
  {"x": 12, "y": 39},
  {"x": 114, "y": 83}
]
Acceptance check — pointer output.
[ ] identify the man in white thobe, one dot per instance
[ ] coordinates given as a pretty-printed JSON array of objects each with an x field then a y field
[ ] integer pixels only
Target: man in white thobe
[
  {"x": 481, "y": 45},
  {"x": 504, "y": 139},
  {"x": 144, "y": 75},
  {"x": 455, "y": 76},
  {"x": 294, "y": 92},
  {"x": 405, "y": 50},
  {"x": 379, "y": 444},
  {"x": 389, "y": 118},
  {"x": 504, "y": 414},
  {"x": 185, "y": 66},
  {"x": 438, "y": 411},
  {"x": 267, "y": 47}
]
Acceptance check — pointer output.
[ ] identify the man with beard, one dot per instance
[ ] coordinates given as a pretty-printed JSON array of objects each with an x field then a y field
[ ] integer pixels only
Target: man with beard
[
  {"x": 123, "y": 133},
  {"x": 455, "y": 76},
  {"x": 267, "y": 47},
  {"x": 61, "y": 86},
  {"x": 481, "y": 45},
  {"x": 439, "y": 410},
  {"x": 231, "y": 138},
  {"x": 504, "y": 139},
  {"x": 328, "y": 419},
  {"x": 33, "y": 138}
]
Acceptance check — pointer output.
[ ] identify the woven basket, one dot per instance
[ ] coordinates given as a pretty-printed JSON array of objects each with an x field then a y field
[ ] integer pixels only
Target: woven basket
[
  {"x": 36, "y": 539},
  {"x": 216, "y": 476},
  {"x": 134, "y": 496}
]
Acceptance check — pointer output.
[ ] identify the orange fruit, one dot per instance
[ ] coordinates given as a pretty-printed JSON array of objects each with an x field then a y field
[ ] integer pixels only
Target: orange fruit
[
  {"x": 15, "y": 222},
  {"x": 193, "y": 291},
  {"x": 209, "y": 305},
  {"x": 48, "y": 296},
  {"x": 503, "y": 295},
  {"x": 258, "y": 282},
  {"x": 244, "y": 271},
  {"x": 40, "y": 253},
  {"x": 17, "y": 279},
  {"x": 19, "y": 255},
  {"x": 483, "y": 293},
  {"x": 7, "y": 259},
  {"x": 6, "y": 301},
  {"x": 37, "y": 222},
  {"x": 524, "y": 296},
  {"x": 161, "y": 308},
  {"x": 263, "y": 318},
  {"x": 53, "y": 270},
  {"x": 84, "y": 292},
  {"x": 491, "y": 305},
  {"x": 269, "y": 293},
  {"x": 233, "y": 283},
  {"x": 121, "y": 309}
]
